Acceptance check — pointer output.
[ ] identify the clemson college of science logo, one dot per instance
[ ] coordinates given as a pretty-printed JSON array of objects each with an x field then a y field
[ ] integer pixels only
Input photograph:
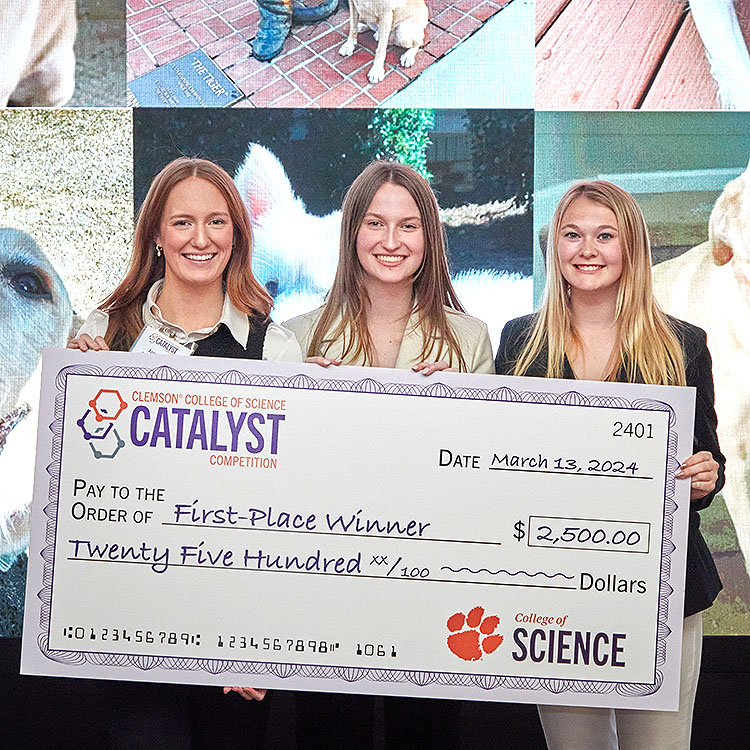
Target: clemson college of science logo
[
  {"x": 98, "y": 423},
  {"x": 473, "y": 635}
]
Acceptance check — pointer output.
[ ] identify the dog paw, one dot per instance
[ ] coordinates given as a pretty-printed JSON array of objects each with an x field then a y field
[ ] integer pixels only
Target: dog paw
[
  {"x": 346, "y": 48},
  {"x": 407, "y": 59},
  {"x": 472, "y": 636},
  {"x": 376, "y": 73}
]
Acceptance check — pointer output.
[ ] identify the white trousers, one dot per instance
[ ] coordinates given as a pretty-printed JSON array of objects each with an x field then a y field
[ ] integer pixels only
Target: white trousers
[{"x": 574, "y": 728}]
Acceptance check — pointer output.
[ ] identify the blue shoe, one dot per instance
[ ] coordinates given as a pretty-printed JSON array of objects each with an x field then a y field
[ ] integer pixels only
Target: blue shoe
[
  {"x": 302, "y": 13},
  {"x": 274, "y": 27}
]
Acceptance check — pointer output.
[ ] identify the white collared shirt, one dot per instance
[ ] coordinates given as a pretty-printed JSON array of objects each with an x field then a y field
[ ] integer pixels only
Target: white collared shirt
[{"x": 279, "y": 345}]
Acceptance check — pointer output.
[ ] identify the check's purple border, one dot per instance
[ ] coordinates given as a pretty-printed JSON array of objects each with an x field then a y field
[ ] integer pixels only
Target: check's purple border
[{"x": 354, "y": 674}]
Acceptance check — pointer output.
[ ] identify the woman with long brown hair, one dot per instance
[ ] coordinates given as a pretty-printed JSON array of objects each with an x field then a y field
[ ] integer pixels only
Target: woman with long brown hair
[
  {"x": 391, "y": 305},
  {"x": 600, "y": 321}
]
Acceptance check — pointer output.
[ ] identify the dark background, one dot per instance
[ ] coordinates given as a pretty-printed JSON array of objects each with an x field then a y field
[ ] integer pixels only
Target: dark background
[{"x": 47, "y": 713}]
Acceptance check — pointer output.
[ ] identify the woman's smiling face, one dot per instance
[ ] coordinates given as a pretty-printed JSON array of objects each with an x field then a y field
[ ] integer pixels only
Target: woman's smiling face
[
  {"x": 196, "y": 233},
  {"x": 390, "y": 242},
  {"x": 588, "y": 247}
]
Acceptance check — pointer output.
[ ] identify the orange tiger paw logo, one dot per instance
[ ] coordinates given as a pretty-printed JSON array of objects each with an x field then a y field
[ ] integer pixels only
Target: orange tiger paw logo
[{"x": 473, "y": 635}]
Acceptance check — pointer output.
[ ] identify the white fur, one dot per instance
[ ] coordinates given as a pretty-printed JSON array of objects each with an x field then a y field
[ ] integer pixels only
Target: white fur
[
  {"x": 292, "y": 303},
  {"x": 286, "y": 239},
  {"x": 28, "y": 325},
  {"x": 710, "y": 286},
  {"x": 299, "y": 251},
  {"x": 717, "y": 24},
  {"x": 36, "y": 39}
]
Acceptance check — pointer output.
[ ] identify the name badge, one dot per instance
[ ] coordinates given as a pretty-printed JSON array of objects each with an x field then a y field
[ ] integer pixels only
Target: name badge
[{"x": 152, "y": 341}]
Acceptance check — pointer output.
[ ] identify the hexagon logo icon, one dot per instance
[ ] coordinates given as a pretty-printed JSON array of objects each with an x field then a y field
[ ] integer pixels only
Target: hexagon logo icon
[{"x": 98, "y": 423}]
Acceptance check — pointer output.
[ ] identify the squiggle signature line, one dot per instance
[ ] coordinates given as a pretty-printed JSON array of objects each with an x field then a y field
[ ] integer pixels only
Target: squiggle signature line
[{"x": 507, "y": 572}]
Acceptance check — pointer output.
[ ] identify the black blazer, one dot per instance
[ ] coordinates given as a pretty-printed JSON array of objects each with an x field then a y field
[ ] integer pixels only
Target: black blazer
[{"x": 702, "y": 582}]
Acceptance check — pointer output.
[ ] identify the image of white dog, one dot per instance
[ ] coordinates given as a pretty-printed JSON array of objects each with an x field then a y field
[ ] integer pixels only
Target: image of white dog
[
  {"x": 36, "y": 39},
  {"x": 399, "y": 21},
  {"x": 720, "y": 32},
  {"x": 35, "y": 311},
  {"x": 709, "y": 285},
  {"x": 295, "y": 253}
]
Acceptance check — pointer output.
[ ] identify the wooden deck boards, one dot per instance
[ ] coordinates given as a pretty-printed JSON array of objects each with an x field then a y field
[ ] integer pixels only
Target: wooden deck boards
[
  {"x": 685, "y": 75},
  {"x": 546, "y": 13},
  {"x": 622, "y": 54}
]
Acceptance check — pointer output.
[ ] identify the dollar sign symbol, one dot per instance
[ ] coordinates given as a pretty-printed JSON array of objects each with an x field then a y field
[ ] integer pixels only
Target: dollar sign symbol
[{"x": 520, "y": 533}]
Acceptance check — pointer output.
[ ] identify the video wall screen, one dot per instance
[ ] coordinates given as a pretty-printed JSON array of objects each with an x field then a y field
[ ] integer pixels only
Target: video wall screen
[
  {"x": 690, "y": 174},
  {"x": 72, "y": 179}
]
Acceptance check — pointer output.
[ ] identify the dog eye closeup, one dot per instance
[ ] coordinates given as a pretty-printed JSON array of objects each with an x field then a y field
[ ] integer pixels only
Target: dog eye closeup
[{"x": 28, "y": 282}]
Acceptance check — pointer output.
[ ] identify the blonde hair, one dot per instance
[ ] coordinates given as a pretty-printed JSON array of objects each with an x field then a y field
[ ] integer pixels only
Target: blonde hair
[
  {"x": 344, "y": 314},
  {"x": 125, "y": 304},
  {"x": 649, "y": 349}
]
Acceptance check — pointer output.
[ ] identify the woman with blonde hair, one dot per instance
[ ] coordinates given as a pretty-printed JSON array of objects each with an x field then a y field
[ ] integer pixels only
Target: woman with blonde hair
[
  {"x": 600, "y": 321},
  {"x": 391, "y": 305},
  {"x": 190, "y": 279}
]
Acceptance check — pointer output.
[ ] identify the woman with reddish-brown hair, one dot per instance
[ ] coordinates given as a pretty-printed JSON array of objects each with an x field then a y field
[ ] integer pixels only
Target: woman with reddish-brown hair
[
  {"x": 190, "y": 273},
  {"x": 190, "y": 279}
]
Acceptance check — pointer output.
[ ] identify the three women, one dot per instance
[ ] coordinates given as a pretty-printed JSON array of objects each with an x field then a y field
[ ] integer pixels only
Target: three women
[{"x": 392, "y": 305}]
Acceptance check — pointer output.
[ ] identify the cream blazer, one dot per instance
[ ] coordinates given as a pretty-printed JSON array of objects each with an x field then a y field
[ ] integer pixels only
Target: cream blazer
[{"x": 471, "y": 333}]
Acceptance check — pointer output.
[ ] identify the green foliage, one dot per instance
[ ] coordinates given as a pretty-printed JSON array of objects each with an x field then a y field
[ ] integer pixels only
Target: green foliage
[
  {"x": 402, "y": 135},
  {"x": 320, "y": 175},
  {"x": 717, "y": 527},
  {"x": 727, "y": 617},
  {"x": 730, "y": 613}
]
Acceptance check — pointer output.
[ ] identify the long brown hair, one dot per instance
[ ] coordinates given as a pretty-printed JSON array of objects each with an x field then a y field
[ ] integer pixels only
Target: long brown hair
[
  {"x": 125, "y": 304},
  {"x": 344, "y": 314},
  {"x": 649, "y": 349}
]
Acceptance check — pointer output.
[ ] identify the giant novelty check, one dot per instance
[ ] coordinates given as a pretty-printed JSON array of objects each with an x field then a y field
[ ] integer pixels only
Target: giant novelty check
[{"x": 281, "y": 525}]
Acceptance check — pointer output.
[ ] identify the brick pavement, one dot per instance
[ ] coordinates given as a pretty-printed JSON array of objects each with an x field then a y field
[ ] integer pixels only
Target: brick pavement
[{"x": 309, "y": 72}]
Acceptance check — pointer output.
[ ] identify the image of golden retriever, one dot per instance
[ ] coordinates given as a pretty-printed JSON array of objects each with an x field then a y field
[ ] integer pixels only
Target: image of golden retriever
[
  {"x": 710, "y": 285},
  {"x": 399, "y": 21}
]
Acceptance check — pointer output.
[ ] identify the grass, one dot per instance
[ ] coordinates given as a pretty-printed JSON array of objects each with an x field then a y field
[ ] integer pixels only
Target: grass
[{"x": 730, "y": 614}]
